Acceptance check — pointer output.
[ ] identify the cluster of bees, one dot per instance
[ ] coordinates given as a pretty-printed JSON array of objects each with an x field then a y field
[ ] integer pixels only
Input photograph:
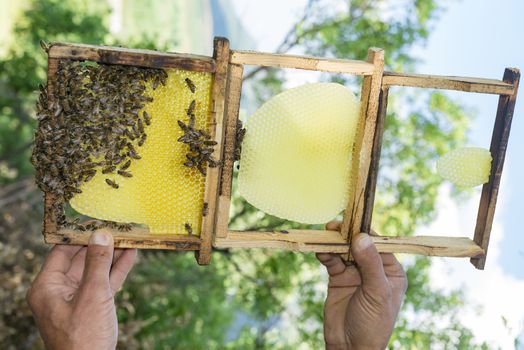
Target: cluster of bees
[
  {"x": 198, "y": 140},
  {"x": 92, "y": 123},
  {"x": 239, "y": 137}
]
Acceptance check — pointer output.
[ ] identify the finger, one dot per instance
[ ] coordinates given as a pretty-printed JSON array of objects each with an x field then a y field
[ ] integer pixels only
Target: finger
[
  {"x": 116, "y": 255},
  {"x": 396, "y": 274},
  {"x": 333, "y": 225},
  {"x": 121, "y": 268},
  {"x": 59, "y": 259},
  {"x": 99, "y": 257},
  {"x": 77, "y": 265},
  {"x": 369, "y": 264},
  {"x": 332, "y": 262}
]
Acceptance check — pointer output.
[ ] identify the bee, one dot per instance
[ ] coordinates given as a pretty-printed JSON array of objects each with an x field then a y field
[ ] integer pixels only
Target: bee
[
  {"x": 140, "y": 126},
  {"x": 44, "y": 46},
  {"x": 133, "y": 154},
  {"x": 201, "y": 169},
  {"x": 191, "y": 121},
  {"x": 190, "y": 85},
  {"x": 146, "y": 117},
  {"x": 182, "y": 125},
  {"x": 108, "y": 169},
  {"x": 124, "y": 173},
  {"x": 112, "y": 183},
  {"x": 126, "y": 165},
  {"x": 129, "y": 135},
  {"x": 142, "y": 140},
  {"x": 91, "y": 227},
  {"x": 188, "y": 228},
  {"x": 205, "y": 209},
  {"x": 191, "y": 108},
  {"x": 124, "y": 227}
]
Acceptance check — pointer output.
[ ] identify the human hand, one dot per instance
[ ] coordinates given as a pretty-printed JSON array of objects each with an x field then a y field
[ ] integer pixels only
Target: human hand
[
  {"x": 72, "y": 298},
  {"x": 364, "y": 299}
]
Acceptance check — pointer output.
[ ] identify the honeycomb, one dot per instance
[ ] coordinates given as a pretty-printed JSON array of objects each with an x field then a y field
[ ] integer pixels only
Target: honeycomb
[
  {"x": 296, "y": 154},
  {"x": 163, "y": 193},
  {"x": 466, "y": 167}
]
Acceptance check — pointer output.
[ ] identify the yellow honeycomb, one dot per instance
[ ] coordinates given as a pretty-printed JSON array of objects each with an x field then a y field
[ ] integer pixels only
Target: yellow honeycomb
[
  {"x": 163, "y": 193},
  {"x": 466, "y": 167},
  {"x": 296, "y": 155}
]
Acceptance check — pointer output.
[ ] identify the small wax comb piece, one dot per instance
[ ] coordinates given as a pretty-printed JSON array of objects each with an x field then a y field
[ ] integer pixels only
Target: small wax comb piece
[
  {"x": 466, "y": 167},
  {"x": 162, "y": 193},
  {"x": 296, "y": 154}
]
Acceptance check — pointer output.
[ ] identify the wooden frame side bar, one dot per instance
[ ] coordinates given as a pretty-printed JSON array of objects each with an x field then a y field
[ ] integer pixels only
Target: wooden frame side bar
[
  {"x": 499, "y": 144},
  {"x": 301, "y": 62},
  {"x": 364, "y": 138},
  {"x": 216, "y": 131},
  {"x": 326, "y": 241},
  {"x": 133, "y": 57},
  {"x": 479, "y": 85},
  {"x": 137, "y": 238},
  {"x": 371, "y": 185},
  {"x": 233, "y": 92}
]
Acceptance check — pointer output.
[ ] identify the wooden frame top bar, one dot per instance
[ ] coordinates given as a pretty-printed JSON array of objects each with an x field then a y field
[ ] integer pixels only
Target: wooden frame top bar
[
  {"x": 333, "y": 65},
  {"x": 132, "y": 57},
  {"x": 479, "y": 85}
]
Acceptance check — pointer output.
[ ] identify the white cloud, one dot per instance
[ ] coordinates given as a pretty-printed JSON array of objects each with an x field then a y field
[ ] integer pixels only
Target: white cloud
[{"x": 498, "y": 294}]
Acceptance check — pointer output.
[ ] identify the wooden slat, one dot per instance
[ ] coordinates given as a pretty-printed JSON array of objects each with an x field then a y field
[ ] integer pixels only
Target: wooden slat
[
  {"x": 216, "y": 130},
  {"x": 332, "y": 242},
  {"x": 302, "y": 62},
  {"x": 371, "y": 85},
  {"x": 486, "y": 86},
  {"x": 132, "y": 57},
  {"x": 233, "y": 92},
  {"x": 499, "y": 143},
  {"x": 138, "y": 238},
  {"x": 369, "y": 193}
]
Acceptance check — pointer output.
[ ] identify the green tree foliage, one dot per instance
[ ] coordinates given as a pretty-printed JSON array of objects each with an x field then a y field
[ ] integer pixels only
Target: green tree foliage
[{"x": 256, "y": 299}]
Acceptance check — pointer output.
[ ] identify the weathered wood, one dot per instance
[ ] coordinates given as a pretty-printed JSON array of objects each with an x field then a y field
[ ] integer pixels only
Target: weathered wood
[
  {"x": 302, "y": 62},
  {"x": 362, "y": 149},
  {"x": 326, "y": 241},
  {"x": 234, "y": 90},
  {"x": 216, "y": 130},
  {"x": 138, "y": 238},
  {"x": 132, "y": 57},
  {"x": 499, "y": 144},
  {"x": 486, "y": 86},
  {"x": 369, "y": 193}
]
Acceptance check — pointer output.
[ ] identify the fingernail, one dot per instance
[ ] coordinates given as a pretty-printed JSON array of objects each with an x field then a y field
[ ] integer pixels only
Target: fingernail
[
  {"x": 362, "y": 241},
  {"x": 100, "y": 238}
]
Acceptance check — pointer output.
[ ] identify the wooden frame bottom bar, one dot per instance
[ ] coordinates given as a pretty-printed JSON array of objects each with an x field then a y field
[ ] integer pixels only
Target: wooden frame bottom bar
[
  {"x": 327, "y": 241},
  {"x": 128, "y": 240}
]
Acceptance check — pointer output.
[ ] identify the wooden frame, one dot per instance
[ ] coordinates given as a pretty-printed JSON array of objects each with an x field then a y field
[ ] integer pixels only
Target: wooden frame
[
  {"x": 507, "y": 89},
  {"x": 302, "y": 240},
  {"x": 227, "y": 66},
  {"x": 140, "y": 237},
  {"x": 374, "y": 99}
]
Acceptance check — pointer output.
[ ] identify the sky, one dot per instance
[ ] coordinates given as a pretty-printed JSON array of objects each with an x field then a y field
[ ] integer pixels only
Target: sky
[{"x": 476, "y": 38}]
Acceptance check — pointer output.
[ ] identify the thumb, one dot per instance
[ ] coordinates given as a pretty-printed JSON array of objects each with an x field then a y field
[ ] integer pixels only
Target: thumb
[
  {"x": 369, "y": 264},
  {"x": 99, "y": 257}
]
